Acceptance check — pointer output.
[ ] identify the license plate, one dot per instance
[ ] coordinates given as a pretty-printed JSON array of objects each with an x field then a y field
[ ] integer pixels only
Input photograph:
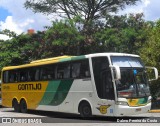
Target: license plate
[{"x": 139, "y": 109}]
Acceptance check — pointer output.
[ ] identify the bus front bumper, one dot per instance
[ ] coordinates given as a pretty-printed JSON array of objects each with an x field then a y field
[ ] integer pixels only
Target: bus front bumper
[{"x": 122, "y": 110}]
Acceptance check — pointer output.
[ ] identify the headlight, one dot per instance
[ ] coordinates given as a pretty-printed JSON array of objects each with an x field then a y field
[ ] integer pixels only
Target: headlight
[{"x": 121, "y": 103}]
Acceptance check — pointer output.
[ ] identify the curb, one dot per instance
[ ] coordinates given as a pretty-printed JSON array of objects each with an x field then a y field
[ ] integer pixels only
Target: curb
[{"x": 154, "y": 111}]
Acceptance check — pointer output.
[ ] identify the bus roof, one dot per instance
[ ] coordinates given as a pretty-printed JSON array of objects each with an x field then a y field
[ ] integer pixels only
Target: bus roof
[
  {"x": 111, "y": 54},
  {"x": 63, "y": 59}
]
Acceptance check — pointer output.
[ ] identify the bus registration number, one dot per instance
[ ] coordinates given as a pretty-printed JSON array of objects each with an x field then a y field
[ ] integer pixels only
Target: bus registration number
[{"x": 139, "y": 109}]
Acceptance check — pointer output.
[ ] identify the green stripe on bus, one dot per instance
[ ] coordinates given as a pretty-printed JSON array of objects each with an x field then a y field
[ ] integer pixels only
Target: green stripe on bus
[
  {"x": 78, "y": 57},
  {"x": 62, "y": 92},
  {"x": 50, "y": 92},
  {"x": 56, "y": 92},
  {"x": 65, "y": 59},
  {"x": 73, "y": 58},
  {"x": 142, "y": 101}
]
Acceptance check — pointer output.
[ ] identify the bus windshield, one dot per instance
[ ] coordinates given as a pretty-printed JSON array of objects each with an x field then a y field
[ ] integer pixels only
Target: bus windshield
[{"x": 133, "y": 82}]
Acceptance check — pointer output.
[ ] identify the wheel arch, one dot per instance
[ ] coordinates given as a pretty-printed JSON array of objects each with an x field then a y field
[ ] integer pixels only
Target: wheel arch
[
  {"x": 15, "y": 99},
  {"x": 23, "y": 98},
  {"x": 82, "y": 101}
]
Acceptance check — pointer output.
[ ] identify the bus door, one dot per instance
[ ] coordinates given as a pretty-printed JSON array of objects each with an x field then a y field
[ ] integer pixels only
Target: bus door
[{"x": 103, "y": 83}]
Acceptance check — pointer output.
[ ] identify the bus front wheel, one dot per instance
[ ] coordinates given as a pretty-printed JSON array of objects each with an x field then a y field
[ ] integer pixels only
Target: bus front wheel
[
  {"x": 85, "y": 109},
  {"x": 15, "y": 105},
  {"x": 23, "y": 106}
]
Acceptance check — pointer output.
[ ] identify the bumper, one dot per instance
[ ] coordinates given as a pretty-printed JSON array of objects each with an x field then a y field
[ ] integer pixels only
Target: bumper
[{"x": 121, "y": 110}]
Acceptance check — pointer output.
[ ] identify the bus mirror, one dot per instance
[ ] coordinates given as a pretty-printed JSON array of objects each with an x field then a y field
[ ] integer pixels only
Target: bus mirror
[
  {"x": 117, "y": 72},
  {"x": 153, "y": 73}
]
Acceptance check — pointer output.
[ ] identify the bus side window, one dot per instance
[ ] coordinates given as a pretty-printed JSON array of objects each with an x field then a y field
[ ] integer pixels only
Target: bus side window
[
  {"x": 37, "y": 72},
  {"x": 12, "y": 77},
  {"x": 76, "y": 69},
  {"x": 63, "y": 71},
  {"x": 80, "y": 69},
  {"x": 84, "y": 69},
  {"x": 23, "y": 75},
  {"x": 47, "y": 72},
  {"x": 67, "y": 72},
  {"x": 5, "y": 76},
  {"x": 33, "y": 74}
]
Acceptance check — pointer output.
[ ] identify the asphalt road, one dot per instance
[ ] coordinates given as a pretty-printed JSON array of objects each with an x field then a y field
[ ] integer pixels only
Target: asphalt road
[{"x": 62, "y": 118}]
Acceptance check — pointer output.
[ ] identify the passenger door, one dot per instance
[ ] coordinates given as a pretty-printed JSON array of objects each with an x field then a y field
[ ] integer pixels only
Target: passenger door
[{"x": 103, "y": 82}]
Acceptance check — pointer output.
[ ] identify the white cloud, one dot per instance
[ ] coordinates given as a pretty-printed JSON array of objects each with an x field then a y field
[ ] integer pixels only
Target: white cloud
[
  {"x": 21, "y": 19},
  {"x": 138, "y": 8},
  {"x": 152, "y": 11},
  {"x": 4, "y": 37},
  {"x": 146, "y": 2},
  {"x": 150, "y": 8},
  {"x": 26, "y": 23},
  {"x": 11, "y": 25}
]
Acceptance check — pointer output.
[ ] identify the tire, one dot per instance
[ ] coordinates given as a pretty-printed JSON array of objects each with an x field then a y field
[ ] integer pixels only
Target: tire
[
  {"x": 16, "y": 106},
  {"x": 23, "y": 106},
  {"x": 85, "y": 110}
]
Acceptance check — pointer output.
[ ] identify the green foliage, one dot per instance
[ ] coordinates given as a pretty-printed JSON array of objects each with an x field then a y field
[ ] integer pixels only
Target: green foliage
[
  {"x": 152, "y": 45},
  {"x": 150, "y": 51},
  {"x": 127, "y": 35},
  {"x": 8, "y": 33},
  {"x": 65, "y": 37}
]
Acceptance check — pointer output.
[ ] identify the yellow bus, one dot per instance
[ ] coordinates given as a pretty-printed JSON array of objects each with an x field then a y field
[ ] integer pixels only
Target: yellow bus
[{"x": 105, "y": 84}]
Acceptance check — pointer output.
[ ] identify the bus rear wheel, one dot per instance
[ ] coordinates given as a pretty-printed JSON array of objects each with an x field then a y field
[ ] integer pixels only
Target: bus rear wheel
[
  {"x": 16, "y": 106},
  {"x": 23, "y": 106},
  {"x": 85, "y": 110}
]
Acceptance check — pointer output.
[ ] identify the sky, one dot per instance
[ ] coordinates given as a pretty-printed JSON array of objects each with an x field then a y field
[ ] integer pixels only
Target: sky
[{"x": 15, "y": 17}]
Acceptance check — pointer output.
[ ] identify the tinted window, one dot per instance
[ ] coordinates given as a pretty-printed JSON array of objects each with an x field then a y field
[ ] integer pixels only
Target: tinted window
[
  {"x": 33, "y": 74},
  {"x": 23, "y": 75},
  {"x": 102, "y": 77},
  {"x": 5, "y": 77},
  {"x": 63, "y": 71},
  {"x": 80, "y": 69},
  {"x": 13, "y": 76},
  {"x": 47, "y": 72}
]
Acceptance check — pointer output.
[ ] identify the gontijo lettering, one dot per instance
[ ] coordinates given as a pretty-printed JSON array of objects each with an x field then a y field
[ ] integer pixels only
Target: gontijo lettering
[{"x": 37, "y": 86}]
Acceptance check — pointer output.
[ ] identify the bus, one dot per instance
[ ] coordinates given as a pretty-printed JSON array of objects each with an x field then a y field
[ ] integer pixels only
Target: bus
[{"x": 102, "y": 84}]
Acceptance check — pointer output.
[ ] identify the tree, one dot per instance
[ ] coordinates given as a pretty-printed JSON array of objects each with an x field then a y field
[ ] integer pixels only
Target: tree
[
  {"x": 64, "y": 38},
  {"x": 86, "y": 12},
  {"x": 8, "y": 33},
  {"x": 150, "y": 52},
  {"x": 127, "y": 35},
  {"x": 87, "y": 9},
  {"x": 21, "y": 49}
]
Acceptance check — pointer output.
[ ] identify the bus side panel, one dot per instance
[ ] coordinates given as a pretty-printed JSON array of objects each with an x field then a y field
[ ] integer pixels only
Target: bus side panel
[
  {"x": 55, "y": 94},
  {"x": 32, "y": 92},
  {"x": 67, "y": 96},
  {"x": 81, "y": 89}
]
